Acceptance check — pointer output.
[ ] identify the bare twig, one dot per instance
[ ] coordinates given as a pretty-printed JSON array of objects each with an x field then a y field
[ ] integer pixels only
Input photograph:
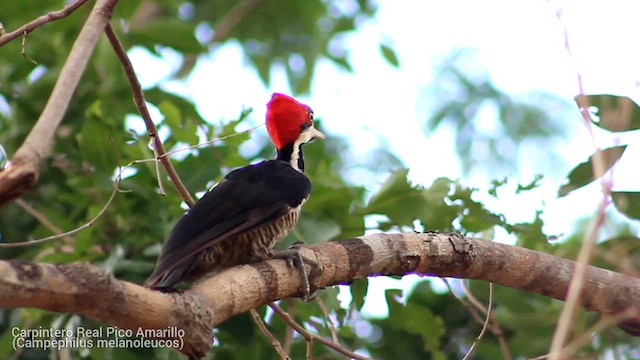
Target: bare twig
[
  {"x": 588, "y": 335},
  {"x": 473, "y": 310},
  {"x": 590, "y": 238},
  {"x": 138, "y": 97},
  {"x": 310, "y": 349},
  {"x": 163, "y": 192},
  {"x": 211, "y": 142},
  {"x": 484, "y": 326},
  {"x": 332, "y": 328},
  {"x": 23, "y": 49},
  {"x": 311, "y": 337},
  {"x": 263, "y": 327},
  {"x": 68, "y": 233},
  {"x": 232, "y": 19},
  {"x": 222, "y": 30},
  {"x": 41, "y": 219},
  {"x": 47, "y": 18},
  {"x": 289, "y": 332},
  {"x": 494, "y": 326},
  {"x": 472, "y": 299}
]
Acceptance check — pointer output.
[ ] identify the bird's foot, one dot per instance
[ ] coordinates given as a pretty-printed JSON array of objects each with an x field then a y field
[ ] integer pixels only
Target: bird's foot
[{"x": 294, "y": 259}]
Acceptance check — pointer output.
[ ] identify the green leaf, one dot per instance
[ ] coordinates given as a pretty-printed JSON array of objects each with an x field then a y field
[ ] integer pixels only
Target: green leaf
[
  {"x": 240, "y": 328},
  {"x": 358, "y": 292},
  {"x": 404, "y": 203},
  {"x": 186, "y": 106},
  {"x": 172, "y": 114},
  {"x": 495, "y": 185},
  {"x": 475, "y": 217},
  {"x": 95, "y": 147},
  {"x": 390, "y": 55},
  {"x": 532, "y": 185},
  {"x": 341, "y": 61},
  {"x": 439, "y": 215},
  {"x": 584, "y": 173},
  {"x": 415, "y": 318},
  {"x": 182, "y": 129},
  {"x": 398, "y": 200},
  {"x": 628, "y": 203},
  {"x": 615, "y": 113},
  {"x": 173, "y": 33},
  {"x": 314, "y": 231},
  {"x": 530, "y": 235}
]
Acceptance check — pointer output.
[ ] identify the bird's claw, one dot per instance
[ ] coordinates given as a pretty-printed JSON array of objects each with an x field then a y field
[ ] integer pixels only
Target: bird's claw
[{"x": 294, "y": 259}]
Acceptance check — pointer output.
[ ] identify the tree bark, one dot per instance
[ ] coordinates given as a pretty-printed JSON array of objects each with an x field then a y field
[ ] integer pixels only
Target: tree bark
[{"x": 83, "y": 289}]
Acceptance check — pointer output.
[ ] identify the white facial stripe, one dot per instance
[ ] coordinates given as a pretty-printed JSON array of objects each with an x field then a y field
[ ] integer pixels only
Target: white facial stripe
[{"x": 307, "y": 135}]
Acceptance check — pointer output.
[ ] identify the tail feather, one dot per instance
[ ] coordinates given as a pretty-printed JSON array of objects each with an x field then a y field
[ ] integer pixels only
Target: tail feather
[{"x": 165, "y": 280}]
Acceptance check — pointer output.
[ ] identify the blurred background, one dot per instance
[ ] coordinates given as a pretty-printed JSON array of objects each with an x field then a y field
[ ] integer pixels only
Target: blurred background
[{"x": 456, "y": 115}]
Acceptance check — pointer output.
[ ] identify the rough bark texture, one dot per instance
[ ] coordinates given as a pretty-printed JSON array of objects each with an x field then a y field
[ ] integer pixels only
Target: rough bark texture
[{"x": 85, "y": 290}]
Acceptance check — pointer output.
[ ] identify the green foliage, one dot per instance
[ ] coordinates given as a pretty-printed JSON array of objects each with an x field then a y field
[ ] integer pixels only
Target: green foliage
[
  {"x": 614, "y": 113},
  {"x": 390, "y": 55},
  {"x": 491, "y": 126},
  {"x": 94, "y": 145},
  {"x": 403, "y": 203},
  {"x": 585, "y": 172},
  {"x": 415, "y": 319},
  {"x": 628, "y": 203},
  {"x": 441, "y": 206}
]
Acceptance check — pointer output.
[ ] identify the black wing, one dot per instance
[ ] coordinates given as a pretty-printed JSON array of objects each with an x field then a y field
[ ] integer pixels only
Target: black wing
[{"x": 246, "y": 199}]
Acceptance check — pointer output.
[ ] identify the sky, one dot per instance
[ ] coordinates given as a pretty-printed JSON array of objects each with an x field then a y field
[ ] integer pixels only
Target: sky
[{"x": 521, "y": 45}]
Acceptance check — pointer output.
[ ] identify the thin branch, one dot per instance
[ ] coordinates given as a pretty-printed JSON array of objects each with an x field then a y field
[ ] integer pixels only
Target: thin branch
[
  {"x": 570, "y": 307},
  {"x": 138, "y": 98},
  {"x": 311, "y": 337},
  {"x": 473, "y": 310},
  {"x": 590, "y": 333},
  {"x": 68, "y": 233},
  {"x": 210, "y": 142},
  {"x": 23, "y": 49},
  {"x": 232, "y": 19},
  {"x": 472, "y": 299},
  {"x": 163, "y": 192},
  {"x": 332, "y": 328},
  {"x": 484, "y": 326},
  {"x": 42, "y": 219},
  {"x": 44, "y": 19},
  {"x": 263, "y": 327},
  {"x": 289, "y": 332},
  {"x": 222, "y": 30},
  {"x": 309, "y": 354}
]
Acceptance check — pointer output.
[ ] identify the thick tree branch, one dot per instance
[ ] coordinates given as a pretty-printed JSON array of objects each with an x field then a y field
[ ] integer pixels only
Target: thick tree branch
[
  {"x": 23, "y": 172},
  {"x": 85, "y": 290}
]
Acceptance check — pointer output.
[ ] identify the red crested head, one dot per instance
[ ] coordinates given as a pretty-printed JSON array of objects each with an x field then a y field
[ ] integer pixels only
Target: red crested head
[{"x": 287, "y": 119}]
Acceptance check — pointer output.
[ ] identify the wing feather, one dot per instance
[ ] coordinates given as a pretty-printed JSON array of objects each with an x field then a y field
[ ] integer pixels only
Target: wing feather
[{"x": 246, "y": 199}]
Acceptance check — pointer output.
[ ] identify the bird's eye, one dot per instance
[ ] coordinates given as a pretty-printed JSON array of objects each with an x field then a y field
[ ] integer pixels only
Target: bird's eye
[{"x": 311, "y": 115}]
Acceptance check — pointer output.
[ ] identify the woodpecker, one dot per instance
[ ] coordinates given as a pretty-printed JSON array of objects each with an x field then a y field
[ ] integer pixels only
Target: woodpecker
[{"x": 240, "y": 219}]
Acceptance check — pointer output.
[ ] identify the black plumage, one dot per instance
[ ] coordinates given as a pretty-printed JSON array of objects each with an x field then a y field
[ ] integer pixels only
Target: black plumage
[{"x": 238, "y": 221}]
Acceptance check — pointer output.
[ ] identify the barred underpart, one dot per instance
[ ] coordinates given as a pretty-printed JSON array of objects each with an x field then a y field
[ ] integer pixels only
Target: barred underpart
[{"x": 246, "y": 248}]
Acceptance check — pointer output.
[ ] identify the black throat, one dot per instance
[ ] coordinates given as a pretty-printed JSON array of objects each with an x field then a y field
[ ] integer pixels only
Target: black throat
[{"x": 286, "y": 154}]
